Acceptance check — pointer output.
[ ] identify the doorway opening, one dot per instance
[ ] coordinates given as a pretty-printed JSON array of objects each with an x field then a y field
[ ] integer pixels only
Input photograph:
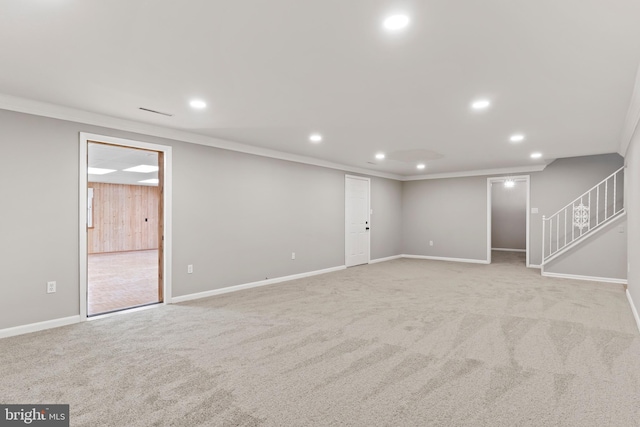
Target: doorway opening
[
  {"x": 508, "y": 220},
  {"x": 123, "y": 226}
]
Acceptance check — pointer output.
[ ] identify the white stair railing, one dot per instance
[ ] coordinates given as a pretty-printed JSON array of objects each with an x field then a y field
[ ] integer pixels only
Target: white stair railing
[{"x": 596, "y": 207}]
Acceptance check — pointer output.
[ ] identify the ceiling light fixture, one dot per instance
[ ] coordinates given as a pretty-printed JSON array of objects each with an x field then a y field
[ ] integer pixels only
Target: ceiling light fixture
[
  {"x": 316, "y": 137},
  {"x": 518, "y": 137},
  {"x": 99, "y": 171},
  {"x": 142, "y": 169},
  {"x": 150, "y": 181},
  {"x": 481, "y": 104},
  {"x": 380, "y": 156},
  {"x": 536, "y": 155},
  {"x": 396, "y": 22},
  {"x": 509, "y": 183},
  {"x": 421, "y": 166},
  {"x": 198, "y": 104}
]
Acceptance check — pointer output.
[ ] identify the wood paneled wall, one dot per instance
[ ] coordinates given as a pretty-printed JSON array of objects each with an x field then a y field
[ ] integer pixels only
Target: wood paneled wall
[{"x": 125, "y": 218}]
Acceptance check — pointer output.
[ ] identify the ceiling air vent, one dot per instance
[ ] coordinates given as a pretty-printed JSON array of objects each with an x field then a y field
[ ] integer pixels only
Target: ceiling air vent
[{"x": 156, "y": 112}]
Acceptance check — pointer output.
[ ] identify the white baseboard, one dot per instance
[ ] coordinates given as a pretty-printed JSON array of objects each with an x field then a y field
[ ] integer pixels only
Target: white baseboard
[
  {"x": 40, "y": 326},
  {"x": 535, "y": 266},
  {"x": 589, "y": 278},
  {"x": 633, "y": 309},
  {"x": 438, "y": 258},
  {"x": 236, "y": 288},
  {"x": 508, "y": 250},
  {"x": 389, "y": 258}
]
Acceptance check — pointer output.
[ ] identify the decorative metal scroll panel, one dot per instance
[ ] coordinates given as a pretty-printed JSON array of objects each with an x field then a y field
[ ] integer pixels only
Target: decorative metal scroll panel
[{"x": 581, "y": 216}]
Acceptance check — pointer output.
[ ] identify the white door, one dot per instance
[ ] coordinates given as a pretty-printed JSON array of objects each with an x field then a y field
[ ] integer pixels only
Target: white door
[{"x": 357, "y": 221}]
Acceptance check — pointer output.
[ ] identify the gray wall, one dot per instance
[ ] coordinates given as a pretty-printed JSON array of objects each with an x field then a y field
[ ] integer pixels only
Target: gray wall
[
  {"x": 602, "y": 255},
  {"x": 386, "y": 221},
  {"x": 560, "y": 183},
  {"x": 236, "y": 217},
  {"x": 632, "y": 200},
  {"x": 509, "y": 216},
  {"x": 38, "y": 219},
  {"x": 451, "y": 212}
]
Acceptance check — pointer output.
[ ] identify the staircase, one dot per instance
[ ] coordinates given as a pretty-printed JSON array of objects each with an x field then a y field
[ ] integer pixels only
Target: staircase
[{"x": 586, "y": 215}]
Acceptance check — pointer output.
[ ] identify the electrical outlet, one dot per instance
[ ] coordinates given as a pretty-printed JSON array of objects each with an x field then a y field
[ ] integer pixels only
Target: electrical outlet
[
  {"x": 293, "y": 255},
  {"x": 51, "y": 287},
  {"x": 190, "y": 268},
  {"x": 430, "y": 242}
]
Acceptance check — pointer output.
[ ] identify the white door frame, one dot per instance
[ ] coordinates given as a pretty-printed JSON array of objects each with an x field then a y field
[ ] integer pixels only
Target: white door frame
[
  {"x": 345, "y": 213},
  {"x": 85, "y": 138},
  {"x": 491, "y": 180}
]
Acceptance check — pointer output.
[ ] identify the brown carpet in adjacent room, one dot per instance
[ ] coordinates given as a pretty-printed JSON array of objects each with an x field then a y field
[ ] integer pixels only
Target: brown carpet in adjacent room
[
  {"x": 399, "y": 343},
  {"x": 120, "y": 280}
]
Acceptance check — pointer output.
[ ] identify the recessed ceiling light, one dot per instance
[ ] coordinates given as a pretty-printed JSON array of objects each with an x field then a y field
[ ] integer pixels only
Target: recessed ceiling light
[
  {"x": 480, "y": 104},
  {"x": 396, "y": 22},
  {"x": 421, "y": 166},
  {"x": 316, "y": 137},
  {"x": 99, "y": 171},
  {"x": 380, "y": 156},
  {"x": 518, "y": 137},
  {"x": 536, "y": 155},
  {"x": 142, "y": 169},
  {"x": 198, "y": 104},
  {"x": 150, "y": 181}
]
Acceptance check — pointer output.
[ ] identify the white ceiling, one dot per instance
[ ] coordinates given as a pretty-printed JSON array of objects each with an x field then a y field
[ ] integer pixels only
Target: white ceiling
[
  {"x": 272, "y": 72},
  {"x": 117, "y": 158}
]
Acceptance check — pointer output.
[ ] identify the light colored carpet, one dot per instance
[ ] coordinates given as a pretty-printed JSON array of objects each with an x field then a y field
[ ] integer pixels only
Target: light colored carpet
[{"x": 400, "y": 343}]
